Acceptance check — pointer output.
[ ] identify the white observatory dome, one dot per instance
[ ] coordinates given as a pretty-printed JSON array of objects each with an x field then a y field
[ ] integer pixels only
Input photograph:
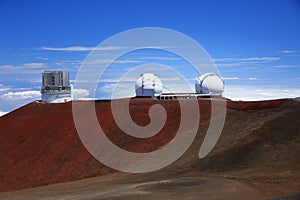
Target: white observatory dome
[
  {"x": 209, "y": 83},
  {"x": 148, "y": 85}
]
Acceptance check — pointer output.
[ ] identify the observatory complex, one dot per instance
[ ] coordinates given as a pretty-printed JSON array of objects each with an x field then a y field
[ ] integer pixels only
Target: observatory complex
[
  {"x": 56, "y": 87},
  {"x": 207, "y": 85}
]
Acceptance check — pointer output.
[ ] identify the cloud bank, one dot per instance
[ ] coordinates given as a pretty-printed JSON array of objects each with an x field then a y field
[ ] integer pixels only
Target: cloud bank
[
  {"x": 13, "y": 100},
  {"x": 82, "y": 48},
  {"x": 246, "y": 93},
  {"x": 2, "y": 113},
  {"x": 80, "y": 93}
]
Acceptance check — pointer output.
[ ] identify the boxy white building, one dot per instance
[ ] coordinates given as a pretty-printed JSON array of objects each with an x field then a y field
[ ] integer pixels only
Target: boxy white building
[{"x": 56, "y": 87}]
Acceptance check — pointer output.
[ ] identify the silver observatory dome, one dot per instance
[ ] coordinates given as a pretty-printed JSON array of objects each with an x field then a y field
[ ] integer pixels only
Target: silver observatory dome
[
  {"x": 148, "y": 85},
  {"x": 209, "y": 83}
]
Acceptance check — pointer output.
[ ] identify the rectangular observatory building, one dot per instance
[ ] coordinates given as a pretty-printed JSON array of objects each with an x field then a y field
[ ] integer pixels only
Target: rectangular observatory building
[{"x": 56, "y": 87}]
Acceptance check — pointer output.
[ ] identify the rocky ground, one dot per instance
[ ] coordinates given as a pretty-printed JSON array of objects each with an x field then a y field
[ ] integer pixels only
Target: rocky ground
[{"x": 256, "y": 157}]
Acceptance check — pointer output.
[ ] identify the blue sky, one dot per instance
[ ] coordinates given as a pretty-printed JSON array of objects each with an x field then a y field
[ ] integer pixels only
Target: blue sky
[{"x": 255, "y": 44}]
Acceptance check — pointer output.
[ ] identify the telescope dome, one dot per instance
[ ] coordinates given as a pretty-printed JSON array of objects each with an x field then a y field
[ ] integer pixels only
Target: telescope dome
[
  {"x": 209, "y": 83},
  {"x": 148, "y": 85}
]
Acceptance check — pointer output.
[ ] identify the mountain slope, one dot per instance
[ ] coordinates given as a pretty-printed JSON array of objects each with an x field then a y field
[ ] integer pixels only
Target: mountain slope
[{"x": 259, "y": 145}]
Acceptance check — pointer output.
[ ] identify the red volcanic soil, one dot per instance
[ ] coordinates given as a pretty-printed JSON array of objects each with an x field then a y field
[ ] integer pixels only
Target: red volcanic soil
[
  {"x": 259, "y": 145},
  {"x": 39, "y": 143}
]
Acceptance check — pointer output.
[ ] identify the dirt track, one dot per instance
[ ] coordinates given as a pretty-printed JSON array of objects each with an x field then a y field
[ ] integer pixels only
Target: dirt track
[{"x": 256, "y": 156}]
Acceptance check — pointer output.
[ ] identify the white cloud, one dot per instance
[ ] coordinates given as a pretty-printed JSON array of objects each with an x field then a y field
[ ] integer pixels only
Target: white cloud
[
  {"x": 106, "y": 80},
  {"x": 230, "y": 78},
  {"x": 27, "y": 68},
  {"x": 149, "y": 69},
  {"x": 158, "y": 47},
  {"x": 2, "y": 113},
  {"x": 249, "y": 64},
  {"x": 76, "y": 62},
  {"x": 261, "y": 59},
  {"x": 83, "y": 48},
  {"x": 80, "y": 93},
  {"x": 159, "y": 58},
  {"x": 22, "y": 95},
  {"x": 236, "y": 78},
  {"x": 41, "y": 58},
  {"x": 83, "y": 81},
  {"x": 245, "y": 93},
  {"x": 170, "y": 78},
  {"x": 253, "y": 79},
  {"x": 281, "y": 66},
  {"x": 35, "y": 80},
  {"x": 236, "y": 62},
  {"x": 106, "y": 48},
  {"x": 116, "y": 91},
  {"x": 4, "y": 89},
  {"x": 288, "y": 51},
  {"x": 7, "y": 67},
  {"x": 108, "y": 61},
  {"x": 12, "y": 100},
  {"x": 248, "y": 59},
  {"x": 124, "y": 79},
  {"x": 108, "y": 87},
  {"x": 34, "y": 65}
]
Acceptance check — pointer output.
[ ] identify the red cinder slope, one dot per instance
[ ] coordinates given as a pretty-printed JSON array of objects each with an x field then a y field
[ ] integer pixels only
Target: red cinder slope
[{"x": 39, "y": 144}]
